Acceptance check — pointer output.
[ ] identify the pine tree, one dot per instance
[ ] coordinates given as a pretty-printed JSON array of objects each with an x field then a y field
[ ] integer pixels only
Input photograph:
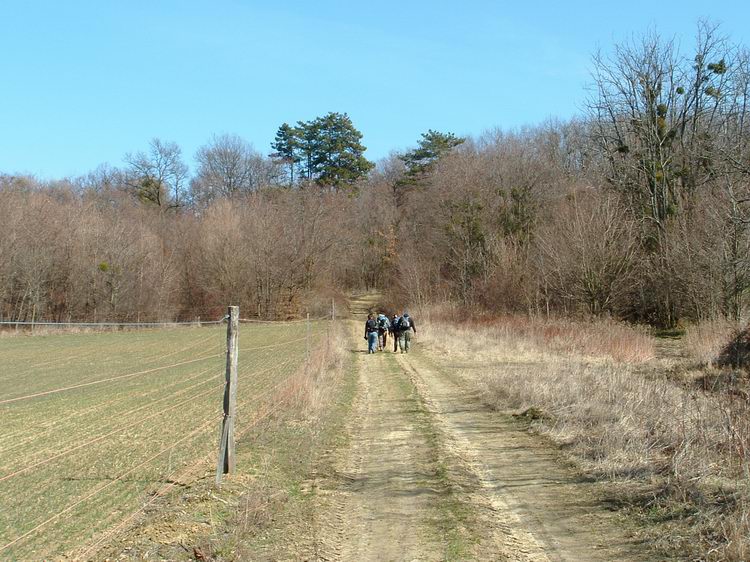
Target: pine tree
[
  {"x": 286, "y": 147},
  {"x": 338, "y": 161},
  {"x": 432, "y": 147},
  {"x": 326, "y": 150}
]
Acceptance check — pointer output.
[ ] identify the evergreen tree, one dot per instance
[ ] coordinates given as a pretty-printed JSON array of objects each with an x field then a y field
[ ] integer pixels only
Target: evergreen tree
[
  {"x": 338, "y": 159},
  {"x": 432, "y": 147},
  {"x": 286, "y": 147},
  {"x": 326, "y": 150}
]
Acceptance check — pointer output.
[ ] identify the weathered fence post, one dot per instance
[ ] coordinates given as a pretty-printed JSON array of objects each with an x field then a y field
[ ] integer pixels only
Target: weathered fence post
[
  {"x": 307, "y": 345},
  {"x": 226, "y": 462}
]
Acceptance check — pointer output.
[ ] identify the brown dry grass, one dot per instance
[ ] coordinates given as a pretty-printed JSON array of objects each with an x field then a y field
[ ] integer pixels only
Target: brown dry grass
[
  {"x": 597, "y": 338},
  {"x": 705, "y": 342},
  {"x": 591, "y": 388}
]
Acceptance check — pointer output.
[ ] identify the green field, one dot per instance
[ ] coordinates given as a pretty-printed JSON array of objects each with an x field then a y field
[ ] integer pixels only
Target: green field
[{"x": 95, "y": 424}]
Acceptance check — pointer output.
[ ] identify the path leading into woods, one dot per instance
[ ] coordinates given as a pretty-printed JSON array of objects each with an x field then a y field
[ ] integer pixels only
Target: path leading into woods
[{"x": 430, "y": 473}]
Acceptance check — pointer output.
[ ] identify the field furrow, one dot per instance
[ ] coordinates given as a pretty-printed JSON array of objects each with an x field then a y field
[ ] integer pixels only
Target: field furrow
[{"x": 95, "y": 424}]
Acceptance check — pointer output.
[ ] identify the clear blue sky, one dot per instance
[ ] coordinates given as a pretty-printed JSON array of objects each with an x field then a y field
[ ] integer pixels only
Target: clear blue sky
[{"x": 84, "y": 82}]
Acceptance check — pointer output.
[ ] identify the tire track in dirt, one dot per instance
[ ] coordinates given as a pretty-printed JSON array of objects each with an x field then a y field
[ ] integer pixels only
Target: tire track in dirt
[
  {"x": 384, "y": 491},
  {"x": 546, "y": 510},
  {"x": 397, "y": 492}
]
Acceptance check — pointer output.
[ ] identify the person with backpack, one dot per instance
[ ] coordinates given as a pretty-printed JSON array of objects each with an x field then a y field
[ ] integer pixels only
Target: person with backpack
[
  {"x": 371, "y": 333},
  {"x": 394, "y": 331},
  {"x": 383, "y": 326},
  {"x": 405, "y": 326}
]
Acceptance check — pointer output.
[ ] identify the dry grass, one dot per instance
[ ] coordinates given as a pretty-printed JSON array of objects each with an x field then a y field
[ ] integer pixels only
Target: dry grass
[
  {"x": 587, "y": 387},
  {"x": 599, "y": 338},
  {"x": 706, "y": 341}
]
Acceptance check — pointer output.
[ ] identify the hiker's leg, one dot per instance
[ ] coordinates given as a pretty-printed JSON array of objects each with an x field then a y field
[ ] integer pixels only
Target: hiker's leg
[
  {"x": 407, "y": 338},
  {"x": 372, "y": 339},
  {"x": 395, "y": 342}
]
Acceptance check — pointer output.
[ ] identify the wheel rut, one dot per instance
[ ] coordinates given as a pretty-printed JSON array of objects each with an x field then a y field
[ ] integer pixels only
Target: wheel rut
[
  {"x": 430, "y": 473},
  {"x": 544, "y": 508},
  {"x": 384, "y": 491}
]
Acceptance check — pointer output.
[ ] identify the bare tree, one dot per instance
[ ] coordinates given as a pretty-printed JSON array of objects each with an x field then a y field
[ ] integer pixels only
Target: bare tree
[
  {"x": 228, "y": 166},
  {"x": 159, "y": 175},
  {"x": 653, "y": 112}
]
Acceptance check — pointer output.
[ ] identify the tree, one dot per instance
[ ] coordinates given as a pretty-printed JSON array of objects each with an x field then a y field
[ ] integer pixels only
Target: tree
[
  {"x": 654, "y": 114},
  {"x": 338, "y": 160},
  {"x": 431, "y": 148},
  {"x": 286, "y": 146},
  {"x": 656, "y": 118},
  {"x": 327, "y": 151},
  {"x": 158, "y": 176},
  {"x": 227, "y": 166}
]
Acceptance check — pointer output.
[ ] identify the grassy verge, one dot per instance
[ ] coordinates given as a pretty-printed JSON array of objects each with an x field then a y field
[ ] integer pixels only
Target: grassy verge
[
  {"x": 676, "y": 452},
  {"x": 98, "y": 426},
  {"x": 259, "y": 512}
]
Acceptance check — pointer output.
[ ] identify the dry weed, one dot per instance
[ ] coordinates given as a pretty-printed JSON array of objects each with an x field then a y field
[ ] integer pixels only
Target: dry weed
[
  {"x": 704, "y": 342},
  {"x": 585, "y": 387},
  {"x": 529, "y": 337}
]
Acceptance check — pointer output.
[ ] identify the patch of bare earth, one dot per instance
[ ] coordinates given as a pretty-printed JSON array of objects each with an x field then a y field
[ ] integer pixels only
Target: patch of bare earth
[
  {"x": 383, "y": 491},
  {"x": 533, "y": 492},
  {"x": 431, "y": 473}
]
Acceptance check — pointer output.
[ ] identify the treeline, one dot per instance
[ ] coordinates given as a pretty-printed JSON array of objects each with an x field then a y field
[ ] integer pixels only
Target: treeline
[{"x": 637, "y": 209}]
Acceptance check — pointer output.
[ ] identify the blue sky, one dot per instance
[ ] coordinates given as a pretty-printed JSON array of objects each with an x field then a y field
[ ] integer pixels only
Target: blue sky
[{"x": 84, "y": 82}]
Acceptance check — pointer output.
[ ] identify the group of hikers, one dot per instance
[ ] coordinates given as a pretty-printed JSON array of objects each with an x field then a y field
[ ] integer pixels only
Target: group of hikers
[{"x": 400, "y": 328}]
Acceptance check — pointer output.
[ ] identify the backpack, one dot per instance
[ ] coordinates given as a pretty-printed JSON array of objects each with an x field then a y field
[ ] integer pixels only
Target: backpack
[
  {"x": 382, "y": 323},
  {"x": 372, "y": 326},
  {"x": 404, "y": 324}
]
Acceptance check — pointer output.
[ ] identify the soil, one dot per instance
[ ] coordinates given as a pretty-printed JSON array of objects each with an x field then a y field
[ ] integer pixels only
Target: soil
[
  {"x": 421, "y": 469},
  {"x": 431, "y": 473}
]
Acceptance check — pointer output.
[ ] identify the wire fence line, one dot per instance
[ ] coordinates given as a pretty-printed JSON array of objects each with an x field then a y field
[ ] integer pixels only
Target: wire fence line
[
  {"x": 110, "y": 433},
  {"x": 20, "y": 442},
  {"x": 265, "y": 413},
  {"x": 110, "y": 379},
  {"x": 108, "y": 416},
  {"x": 103, "y": 487},
  {"x": 112, "y": 324}
]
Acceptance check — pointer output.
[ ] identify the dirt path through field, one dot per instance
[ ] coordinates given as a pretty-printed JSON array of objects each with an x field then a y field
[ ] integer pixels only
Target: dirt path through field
[
  {"x": 531, "y": 490},
  {"x": 429, "y": 473},
  {"x": 384, "y": 486}
]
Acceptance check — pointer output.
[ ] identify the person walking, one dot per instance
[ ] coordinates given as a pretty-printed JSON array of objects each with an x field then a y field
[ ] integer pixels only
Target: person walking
[
  {"x": 394, "y": 331},
  {"x": 371, "y": 334},
  {"x": 405, "y": 326},
  {"x": 383, "y": 326}
]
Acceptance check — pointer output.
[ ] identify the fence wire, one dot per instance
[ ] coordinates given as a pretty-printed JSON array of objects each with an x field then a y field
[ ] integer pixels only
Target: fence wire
[{"x": 100, "y": 417}]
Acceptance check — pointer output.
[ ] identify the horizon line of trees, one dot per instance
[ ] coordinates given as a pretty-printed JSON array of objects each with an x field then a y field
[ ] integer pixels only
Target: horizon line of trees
[{"x": 637, "y": 209}]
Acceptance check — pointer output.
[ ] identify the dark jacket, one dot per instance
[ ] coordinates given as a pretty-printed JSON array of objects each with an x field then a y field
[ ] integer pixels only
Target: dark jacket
[
  {"x": 370, "y": 326},
  {"x": 412, "y": 325}
]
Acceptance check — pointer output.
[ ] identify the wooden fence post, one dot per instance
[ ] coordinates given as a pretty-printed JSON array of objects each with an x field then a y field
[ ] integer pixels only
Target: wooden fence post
[
  {"x": 226, "y": 462},
  {"x": 307, "y": 346}
]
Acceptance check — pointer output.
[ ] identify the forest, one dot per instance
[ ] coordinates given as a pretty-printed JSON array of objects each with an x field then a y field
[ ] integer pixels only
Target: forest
[{"x": 636, "y": 209}]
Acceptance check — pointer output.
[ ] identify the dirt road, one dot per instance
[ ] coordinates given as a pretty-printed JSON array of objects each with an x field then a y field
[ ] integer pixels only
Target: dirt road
[{"x": 430, "y": 473}]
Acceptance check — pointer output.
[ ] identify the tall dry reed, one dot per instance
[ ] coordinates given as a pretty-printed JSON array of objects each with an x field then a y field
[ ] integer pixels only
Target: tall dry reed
[{"x": 589, "y": 388}]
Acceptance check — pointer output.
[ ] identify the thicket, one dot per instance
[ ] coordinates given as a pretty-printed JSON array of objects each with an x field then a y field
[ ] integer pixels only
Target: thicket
[{"x": 637, "y": 209}]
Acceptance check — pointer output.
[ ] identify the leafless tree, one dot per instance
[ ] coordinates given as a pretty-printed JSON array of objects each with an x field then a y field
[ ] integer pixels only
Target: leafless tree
[
  {"x": 228, "y": 166},
  {"x": 158, "y": 176}
]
